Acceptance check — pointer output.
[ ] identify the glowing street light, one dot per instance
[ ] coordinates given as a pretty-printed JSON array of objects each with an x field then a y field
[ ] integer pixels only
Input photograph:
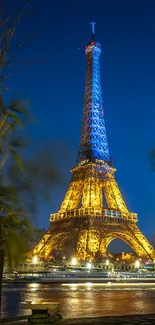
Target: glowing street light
[
  {"x": 74, "y": 261},
  {"x": 107, "y": 262},
  {"x": 89, "y": 266},
  {"x": 137, "y": 264},
  {"x": 35, "y": 260}
]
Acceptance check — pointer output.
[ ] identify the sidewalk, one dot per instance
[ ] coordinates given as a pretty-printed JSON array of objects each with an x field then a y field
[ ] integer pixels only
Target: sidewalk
[{"x": 115, "y": 320}]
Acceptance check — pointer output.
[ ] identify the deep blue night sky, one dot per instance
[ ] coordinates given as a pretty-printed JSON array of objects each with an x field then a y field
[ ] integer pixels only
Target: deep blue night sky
[{"x": 126, "y": 31}]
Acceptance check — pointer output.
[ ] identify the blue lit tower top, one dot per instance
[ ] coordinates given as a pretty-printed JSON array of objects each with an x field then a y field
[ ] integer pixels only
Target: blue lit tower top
[{"x": 93, "y": 140}]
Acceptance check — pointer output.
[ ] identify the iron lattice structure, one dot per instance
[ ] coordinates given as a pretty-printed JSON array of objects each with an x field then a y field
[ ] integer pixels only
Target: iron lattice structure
[{"x": 93, "y": 211}]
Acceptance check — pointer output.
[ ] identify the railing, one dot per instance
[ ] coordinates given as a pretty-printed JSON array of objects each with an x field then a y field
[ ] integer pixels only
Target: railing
[{"x": 104, "y": 214}]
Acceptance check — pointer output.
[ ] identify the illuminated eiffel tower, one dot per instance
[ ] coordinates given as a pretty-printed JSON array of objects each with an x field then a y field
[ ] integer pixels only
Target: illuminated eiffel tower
[{"x": 93, "y": 211}]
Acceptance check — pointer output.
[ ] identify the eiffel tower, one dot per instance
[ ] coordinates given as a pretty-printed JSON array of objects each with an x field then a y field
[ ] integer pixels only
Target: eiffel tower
[{"x": 93, "y": 211}]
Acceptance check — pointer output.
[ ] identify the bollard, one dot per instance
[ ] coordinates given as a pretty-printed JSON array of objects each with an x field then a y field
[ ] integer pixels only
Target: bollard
[{"x": 41, "y": 312}]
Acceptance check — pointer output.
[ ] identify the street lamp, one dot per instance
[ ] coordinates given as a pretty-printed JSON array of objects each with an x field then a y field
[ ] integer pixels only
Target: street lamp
[
  {"x": 137, "y": 264},
  {"x": 89, "y": 266},
  {"x": 35, "y": 260},
  {"x": 107, "y": 262},
  {"x": 74, "y": 261}
]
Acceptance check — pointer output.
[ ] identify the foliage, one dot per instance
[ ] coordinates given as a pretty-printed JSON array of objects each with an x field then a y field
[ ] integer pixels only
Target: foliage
[
  {"x": 13, "y": 219},
  {"x": 7, "y": 31},
  {"x": 24, "y": 181},
  {"x": 24, "y": 178},
  {"x": 16, "y": 230}
]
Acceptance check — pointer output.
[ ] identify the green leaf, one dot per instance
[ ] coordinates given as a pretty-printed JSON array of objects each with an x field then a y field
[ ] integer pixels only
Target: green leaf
[{"x": 17, "y": 159}]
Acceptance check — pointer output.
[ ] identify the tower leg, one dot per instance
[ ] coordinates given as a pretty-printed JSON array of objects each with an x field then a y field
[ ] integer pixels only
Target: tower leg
[
  {"x": 82, "y": 245},
  {"x": 88, "y": 244},
  {"x": 72, "y": 197},
  {"x": 113, "y": 195},
  {"x": 105, "y": 243},
  {"x": 132, "y": 236},
  {"x": 48, "y": 243}
]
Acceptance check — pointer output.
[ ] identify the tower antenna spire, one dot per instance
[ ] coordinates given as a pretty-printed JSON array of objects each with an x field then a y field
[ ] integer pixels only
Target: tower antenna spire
[{"x": 93, "y": 29}]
